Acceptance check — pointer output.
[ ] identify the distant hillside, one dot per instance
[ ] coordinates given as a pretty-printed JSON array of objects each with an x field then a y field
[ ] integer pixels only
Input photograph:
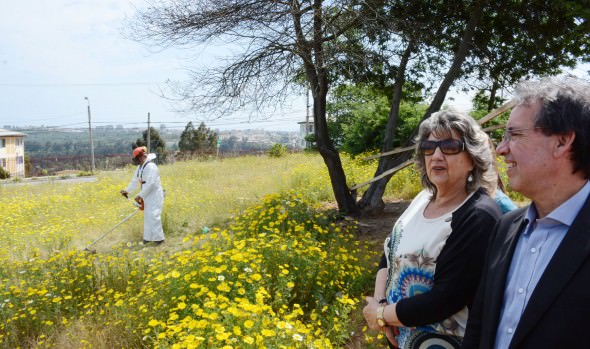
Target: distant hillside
[
  {"x": 47, "y": 142},
  {"x": 55, "y": 149}
]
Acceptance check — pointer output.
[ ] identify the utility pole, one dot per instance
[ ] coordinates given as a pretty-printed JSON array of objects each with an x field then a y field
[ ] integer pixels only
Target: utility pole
[
  {"x": 90, "y": 133},
  {"x": 307, "y": 143},
  {"x": 148, "y": 134}
]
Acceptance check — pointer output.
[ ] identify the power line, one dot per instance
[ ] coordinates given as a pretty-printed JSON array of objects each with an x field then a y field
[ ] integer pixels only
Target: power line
[
  {"x": 210, "y": 124},
  {"x": 50, "y": 84}
]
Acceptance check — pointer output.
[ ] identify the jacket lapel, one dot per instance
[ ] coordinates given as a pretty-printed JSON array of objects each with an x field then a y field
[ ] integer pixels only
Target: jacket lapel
[
  {"x": 500, "y": 265},
  {"x": 572, "y": 252}
]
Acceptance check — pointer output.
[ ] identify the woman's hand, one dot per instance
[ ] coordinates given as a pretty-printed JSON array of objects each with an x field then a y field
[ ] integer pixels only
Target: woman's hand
[
  {"x": 370, "y": 313},
  {"x": 391, "y": 332}
]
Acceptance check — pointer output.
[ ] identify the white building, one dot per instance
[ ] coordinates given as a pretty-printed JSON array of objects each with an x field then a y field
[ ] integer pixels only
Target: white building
[
  {"x": 305, "y": 128},
  {"x": 12, "y": 152}
]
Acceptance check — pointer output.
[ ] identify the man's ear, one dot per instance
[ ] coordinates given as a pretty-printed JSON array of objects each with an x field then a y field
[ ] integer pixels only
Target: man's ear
[{"x": 565, "y": 143}]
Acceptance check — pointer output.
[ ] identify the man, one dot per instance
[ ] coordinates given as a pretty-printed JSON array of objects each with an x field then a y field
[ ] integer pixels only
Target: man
[
  {"x": 534, "y": 291},
  {"x": 147, "y": 176}
]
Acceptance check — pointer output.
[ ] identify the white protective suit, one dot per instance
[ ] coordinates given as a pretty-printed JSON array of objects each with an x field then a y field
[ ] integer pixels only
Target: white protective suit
[{"x": 147, "y": 176}]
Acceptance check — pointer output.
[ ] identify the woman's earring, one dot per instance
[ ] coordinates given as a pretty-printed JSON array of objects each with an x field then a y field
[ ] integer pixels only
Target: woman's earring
[{"x": 470, "y": 178}]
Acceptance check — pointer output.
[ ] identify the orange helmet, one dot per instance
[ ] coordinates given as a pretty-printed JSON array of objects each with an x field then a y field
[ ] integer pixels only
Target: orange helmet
[{"x": 139, "y": 151}]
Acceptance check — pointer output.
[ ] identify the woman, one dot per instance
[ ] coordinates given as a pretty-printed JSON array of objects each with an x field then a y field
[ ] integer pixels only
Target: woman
[{"x": 436, "y": 249}]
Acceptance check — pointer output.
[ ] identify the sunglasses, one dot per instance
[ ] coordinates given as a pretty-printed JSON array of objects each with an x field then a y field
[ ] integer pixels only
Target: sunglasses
[{"x": 447, "y": 146}]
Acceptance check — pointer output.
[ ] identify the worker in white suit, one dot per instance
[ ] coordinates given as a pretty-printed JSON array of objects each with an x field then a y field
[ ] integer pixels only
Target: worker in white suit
[{"x": 147, "y": 177}]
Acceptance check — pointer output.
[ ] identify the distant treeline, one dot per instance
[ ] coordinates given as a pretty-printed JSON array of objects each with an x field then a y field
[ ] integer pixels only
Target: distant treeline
[
  {"x": 42, "y": 143},
  {"x": 49, "y": 151}
]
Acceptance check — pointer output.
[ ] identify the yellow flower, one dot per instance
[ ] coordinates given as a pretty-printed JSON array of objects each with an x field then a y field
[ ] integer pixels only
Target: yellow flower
[
  {"x": 222, "y": 336},
  {"x": 223, "y": 287},
  {"x": 267, "y": 333},
  {"x": 237, "y": 331}
]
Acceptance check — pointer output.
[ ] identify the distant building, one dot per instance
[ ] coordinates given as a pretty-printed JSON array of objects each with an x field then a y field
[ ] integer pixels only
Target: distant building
[
  {"x": 305, "y": 128},
  {"x": 12, "y": 152}
]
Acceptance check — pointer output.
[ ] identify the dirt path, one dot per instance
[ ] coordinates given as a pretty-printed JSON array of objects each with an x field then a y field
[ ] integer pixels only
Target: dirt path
[{"x": 378, "y": 227}]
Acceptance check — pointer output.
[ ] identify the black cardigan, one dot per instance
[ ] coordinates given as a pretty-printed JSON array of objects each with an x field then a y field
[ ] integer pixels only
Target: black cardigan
[{"x": 458, "y": 267}]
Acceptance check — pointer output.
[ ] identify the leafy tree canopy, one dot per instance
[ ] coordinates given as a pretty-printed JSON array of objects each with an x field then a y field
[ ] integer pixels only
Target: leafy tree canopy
[
  {"x": 157, "y": 144},
  {"x": 200, "y": 139},
  {"x": 357, "y": 116}
]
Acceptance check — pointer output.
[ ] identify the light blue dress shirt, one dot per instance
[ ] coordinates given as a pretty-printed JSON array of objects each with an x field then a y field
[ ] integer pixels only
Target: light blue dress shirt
[{"x": 534, "y": 250}]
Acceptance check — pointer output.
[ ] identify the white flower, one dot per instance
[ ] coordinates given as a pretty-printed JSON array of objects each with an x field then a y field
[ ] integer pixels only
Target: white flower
[
  {"x": 298, "y": 337},
  {"x": 247, "y": 270},
  {"x": 221, "y": 278}
]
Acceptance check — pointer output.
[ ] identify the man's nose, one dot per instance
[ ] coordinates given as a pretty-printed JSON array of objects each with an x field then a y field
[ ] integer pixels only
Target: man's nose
[{"x": 502, "y": 147}]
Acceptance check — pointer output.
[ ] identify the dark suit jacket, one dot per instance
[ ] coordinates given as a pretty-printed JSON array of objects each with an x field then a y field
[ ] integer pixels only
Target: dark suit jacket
[{"x": 558, "y": 312}]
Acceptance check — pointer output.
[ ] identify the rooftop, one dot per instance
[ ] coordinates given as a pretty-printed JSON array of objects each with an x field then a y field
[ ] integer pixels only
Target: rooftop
[{"x": 8, "y": 133}]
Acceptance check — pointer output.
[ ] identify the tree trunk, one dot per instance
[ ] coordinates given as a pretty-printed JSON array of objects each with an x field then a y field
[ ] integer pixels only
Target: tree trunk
[
  {"x": 344, "y": 198},
  {"x": 313, "y": 57},
  {"x": 492, "y": 100},
  {"x": 372, "y": 200}
]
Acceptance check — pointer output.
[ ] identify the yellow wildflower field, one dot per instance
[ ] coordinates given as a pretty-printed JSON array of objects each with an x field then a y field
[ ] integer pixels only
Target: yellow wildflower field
[{"x": 249, "y": 260}]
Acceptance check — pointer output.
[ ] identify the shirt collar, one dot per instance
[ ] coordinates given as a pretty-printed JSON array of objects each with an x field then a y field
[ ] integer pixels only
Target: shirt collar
[{"x": 567, "y": 211}]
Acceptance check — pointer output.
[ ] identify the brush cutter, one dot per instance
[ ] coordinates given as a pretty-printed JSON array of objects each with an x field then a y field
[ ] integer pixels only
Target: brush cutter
[
  {"x": 139, "y": 206},
  {"x": 137, "y": 203}
]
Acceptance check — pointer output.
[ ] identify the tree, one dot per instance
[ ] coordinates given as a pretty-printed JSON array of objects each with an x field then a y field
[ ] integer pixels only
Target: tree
[
  {"x": 283, "y": 42},
  {"x": 186, "y": 138},
  {"x": 358, "y": 115},
  {"x": 423, "y": 43},
  {"x": 200, "y": 139},
  {"x": 156, "y": 142},
  {"x": 507, "y": 41}
]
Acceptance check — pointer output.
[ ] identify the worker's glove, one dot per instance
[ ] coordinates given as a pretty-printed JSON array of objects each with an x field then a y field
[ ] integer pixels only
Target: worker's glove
[
  {"x": 125, "y": 193},
  {"x": 139, "y": 201}
]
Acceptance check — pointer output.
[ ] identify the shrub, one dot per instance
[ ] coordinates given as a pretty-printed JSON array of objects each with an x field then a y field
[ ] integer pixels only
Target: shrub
[
  {"x": 277, "y": 150},
  {"x": 4, "y": 174}
]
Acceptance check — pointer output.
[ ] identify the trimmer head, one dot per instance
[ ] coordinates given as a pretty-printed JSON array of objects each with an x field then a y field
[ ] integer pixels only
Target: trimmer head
[{"x": 89, "y": 250}]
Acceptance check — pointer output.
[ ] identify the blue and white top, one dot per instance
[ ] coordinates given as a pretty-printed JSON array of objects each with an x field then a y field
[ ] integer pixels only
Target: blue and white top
[{"x": 428, "y": 283}]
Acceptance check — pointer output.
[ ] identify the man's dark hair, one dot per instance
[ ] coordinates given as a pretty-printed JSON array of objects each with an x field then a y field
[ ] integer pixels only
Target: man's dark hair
[{"x": 565, "y": 107}]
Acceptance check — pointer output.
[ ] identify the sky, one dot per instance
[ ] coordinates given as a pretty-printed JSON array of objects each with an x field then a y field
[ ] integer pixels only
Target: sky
[{"x": 54, "y": 53}]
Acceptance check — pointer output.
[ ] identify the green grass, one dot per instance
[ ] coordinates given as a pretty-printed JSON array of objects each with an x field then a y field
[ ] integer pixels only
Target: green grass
[{"x": 274, "y": 270}]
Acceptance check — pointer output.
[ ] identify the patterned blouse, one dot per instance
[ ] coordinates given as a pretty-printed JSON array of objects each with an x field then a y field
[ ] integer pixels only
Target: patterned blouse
[{"x": 412, "y": 251}]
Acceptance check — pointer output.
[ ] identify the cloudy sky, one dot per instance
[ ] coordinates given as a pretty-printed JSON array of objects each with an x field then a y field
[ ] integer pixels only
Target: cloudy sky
[{"x": 53, "y": 53}]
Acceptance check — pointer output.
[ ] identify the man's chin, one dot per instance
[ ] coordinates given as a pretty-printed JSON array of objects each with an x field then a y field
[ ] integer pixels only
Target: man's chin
[{"x": 514, "y": 184}]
